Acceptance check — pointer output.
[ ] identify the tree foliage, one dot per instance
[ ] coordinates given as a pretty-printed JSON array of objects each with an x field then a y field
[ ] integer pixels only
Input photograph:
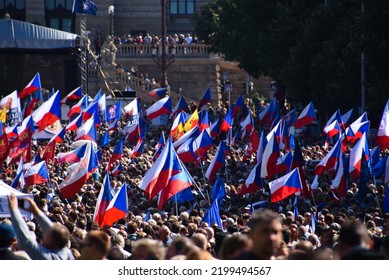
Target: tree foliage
[{"x": 313, "y": 51}]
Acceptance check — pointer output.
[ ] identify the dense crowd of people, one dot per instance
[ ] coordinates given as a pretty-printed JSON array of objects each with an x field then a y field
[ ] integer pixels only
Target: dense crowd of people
[{"x": 297, "y": 228}]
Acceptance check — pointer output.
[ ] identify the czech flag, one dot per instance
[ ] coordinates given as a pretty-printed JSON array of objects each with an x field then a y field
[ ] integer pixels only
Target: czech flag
[
  {"x": 157, "y": 93},
  {"x": 103, "y": 200},
  {"x": 48, "y": 113},
  {"x": 212, "y": 215},
  {"x": 217, "y": 162},
  {"x": 74, "y": 95},
  {"x": 382, "y": 138},
  {"x": 202, "y": 144},
  {"x": 253, "y": 182},
  {"x": 86, "y": 131},
  {"x": 207, "y": 98},
  {"x": 117, "y": 208},
  {"x": 33, "y": 85},
  {"x": 36, "y": 174},
  {"x": 75, "y": 124},
  {"x": 180, "y": 181},
  {"x": 132, "y": 109},
  {"x": 330, "y": 160},
  {"x": 72, "y": 156},
  {"x": 117, "y": 154},
  {"x": 382, "y": 168},
  {"x": 347, "y": 118},
  {"x": 181, "y": 106},
  {"x": 269, "y": 158},
  {"x": 204, "y": 122},
  {"x": 79, "y": 173},
  {"x": 226, "y": 123},
  {"x": 158, "y": 176},
  {"x": 78, "y": 107},
  {"x": 361, "y": 147},
  {"x": 306, "y": 117},
  {"x": 159, "y": 108},
  {"x": 117, "y": 169},
  {"x": 285, "y": 186}
]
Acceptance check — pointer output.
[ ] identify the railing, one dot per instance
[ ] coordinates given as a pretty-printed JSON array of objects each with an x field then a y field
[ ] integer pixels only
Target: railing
[{"x": 148, "y": 50}]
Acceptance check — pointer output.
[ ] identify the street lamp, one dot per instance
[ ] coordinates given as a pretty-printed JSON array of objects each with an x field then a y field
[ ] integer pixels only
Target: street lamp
[
  {"x": 111, "y": 10},
  {"x": 166, "y": 56}
]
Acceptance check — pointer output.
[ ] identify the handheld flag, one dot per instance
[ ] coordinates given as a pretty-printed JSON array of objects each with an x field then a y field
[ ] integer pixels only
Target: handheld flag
[
  {"x": 103, "y": 200},
  {"x": 285, "y": 186},
  {"x": 84, "y": 7},
  {"x": 382, "y": 138},
  {"x": 117, "y": 208},
  {"x": 33, "y": 85}
]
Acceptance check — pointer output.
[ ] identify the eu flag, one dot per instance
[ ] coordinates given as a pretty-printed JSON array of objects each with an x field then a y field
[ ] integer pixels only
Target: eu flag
[{"x": 84, "y": 7}]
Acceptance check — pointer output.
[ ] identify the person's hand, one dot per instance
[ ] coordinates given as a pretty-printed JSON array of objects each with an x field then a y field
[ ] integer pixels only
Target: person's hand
[
  {"x": 12, "y": 201},
  {"x": 32, "y": 207}
]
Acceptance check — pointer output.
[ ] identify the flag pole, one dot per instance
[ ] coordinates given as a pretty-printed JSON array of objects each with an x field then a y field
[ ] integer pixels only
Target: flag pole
[{"x": 175, "y": 196}]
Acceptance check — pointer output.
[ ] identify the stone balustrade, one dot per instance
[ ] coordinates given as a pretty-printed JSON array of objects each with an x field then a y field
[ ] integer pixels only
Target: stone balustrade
[{"x": 148, "y": 50}]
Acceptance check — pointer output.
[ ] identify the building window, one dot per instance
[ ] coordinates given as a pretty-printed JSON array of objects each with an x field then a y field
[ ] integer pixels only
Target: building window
[
  {"x": 15, "y": 8},
  {"x": 182, "y": 7},
  {"x": 58, "y": 14}
]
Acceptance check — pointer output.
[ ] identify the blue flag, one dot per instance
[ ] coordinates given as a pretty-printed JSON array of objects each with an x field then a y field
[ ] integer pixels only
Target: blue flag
[
  {"x": 84, "y": 7},
  {"x": 212, "y": 215}
]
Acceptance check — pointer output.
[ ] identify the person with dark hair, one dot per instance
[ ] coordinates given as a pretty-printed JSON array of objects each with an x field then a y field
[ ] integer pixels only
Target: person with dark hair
[
  {"x": 55, "y": 238},
  {"x": 7, "y": 242},
  {"x": 354, "y": 242},
  {"x": 95, "y": 246},
  {"x": 266, "y": 236}
]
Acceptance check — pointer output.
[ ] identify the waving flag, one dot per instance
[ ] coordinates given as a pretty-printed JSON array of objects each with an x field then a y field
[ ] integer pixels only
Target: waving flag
[
  {"x": 254, "y": 181},
  {"x": 252, "y": 145},
  {"x": 181, "y": 106},
  {"x": 159, "y": 108},
  {"x": 186, "y": 153},
  {"x": 158, "y": 176},
  {"x": 192, "y": 121},
  {"x": 207, "y": 98},
  {"x": 202, "y": 144},
  {"x": 382, "y": 168},
  {"x": 157, "y": 93},
  {"x": 285, "y": 186},
  {"x": 30, "y": 104},
  {"x": 33, "y": 85},
  {"x": 90, "y": 110},
  {"x": 117, "y": 154},
  {"x": 132, "y": 109},
  {"x": 332, "y": 129},
  {"x": 184, "y": 195},
  {"x": 226, "y": 123},
  {"x": 204, "y": 123},
  {"x": 330, "y": 160},
  {"x": 238, "y": 105},
  {"x": 212, "y": 215},
  {"x": 3, "y": 142},
  {"x": 179, "y": 182},
  {"x": 382, "y": 138},
  {"x": 347, "y": 118},
  {"x": 356, "y": 156},
  {"x": 284, "y": 163},
  {"x": 306, "y": 117},
  {"x": 177, "y": 129},
  {"x": 359, "y": 129},
  {"x": 117, "y": 208},
  {"x": 269, "y": 114},
  {"x": 49, "y": 151},
  {"x": 104, "y": 140},
  {"x": 18, "y": 181},
  {"x": 86, "y": 131},
  {"x": 74, "y": 95},
  {"x": 103, "y": 200},
  {"x": 138, "y": 149},
  {"x": 78, "y": 173},
  {"x": 48, "y": 113},
  {"x": 78, "y": 107},
  {"x": 331, "y": 123},
  {"x": 217, "y": 162},
  {"x": 269, "y": 158},
  {"x": 37, "y": 174},
  {"x": 74, "y": 124},
  {"x": 117, "y": 169},
  {"x": 72, "y": 156},
  {"x": 215, "y": 128},
  {"x": 194, "y": 132},
  {"x": 84, "y": 7},
  {"x": 340, "y": 182},
  {"x": 363, "y": 179}
]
